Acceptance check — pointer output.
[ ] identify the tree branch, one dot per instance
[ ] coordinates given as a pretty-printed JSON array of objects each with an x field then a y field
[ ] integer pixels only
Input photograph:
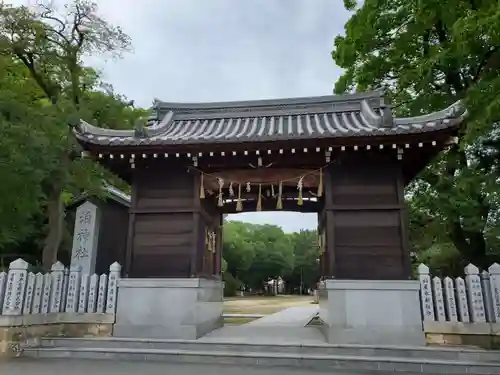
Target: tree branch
[
  {"x": 488, "y": 57},
  {"x": 452, "y": 75},
  {"x": 27, "y": 60},
  {"x": 46, "y": 14}
]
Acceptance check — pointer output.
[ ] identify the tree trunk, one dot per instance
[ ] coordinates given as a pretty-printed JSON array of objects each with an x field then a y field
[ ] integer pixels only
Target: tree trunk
[
  {"x": 55, "y": 214},
  {"x": 471, "y": 245},
  {"x": 56, "y": 208}
]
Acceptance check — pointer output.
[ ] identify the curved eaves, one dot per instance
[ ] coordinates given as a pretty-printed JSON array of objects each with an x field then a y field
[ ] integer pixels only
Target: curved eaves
[
  {"x": 455, "y": 111},
  {"x": 159, "y": 127}
]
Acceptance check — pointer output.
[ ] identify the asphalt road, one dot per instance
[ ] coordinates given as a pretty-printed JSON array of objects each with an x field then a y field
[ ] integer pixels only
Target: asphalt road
[{"x": 95, "y": 367}]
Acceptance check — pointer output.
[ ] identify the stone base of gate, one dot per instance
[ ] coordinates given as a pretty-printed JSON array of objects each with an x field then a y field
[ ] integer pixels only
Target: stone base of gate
[
  {"x": 168, "y": 308},
  {"x": 372, "y": 312}
]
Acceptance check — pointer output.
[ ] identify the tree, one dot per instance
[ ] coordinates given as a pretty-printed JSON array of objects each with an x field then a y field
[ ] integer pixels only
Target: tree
[
  {"x": 305, "y": 273},
  {"x": 27, "y": 156},
  {"x": 273, "y": 255},
  {"x": 258, "y": 253},
  {"x": 51, "y": 44},
  {"x": 427, "y": 55},
  {"x": 237, "y": 250},
  {"x": 25, "y": 152}
]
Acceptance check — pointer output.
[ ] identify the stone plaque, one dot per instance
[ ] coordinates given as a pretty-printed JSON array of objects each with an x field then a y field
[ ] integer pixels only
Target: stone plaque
[{"x": 85, "y": 237}]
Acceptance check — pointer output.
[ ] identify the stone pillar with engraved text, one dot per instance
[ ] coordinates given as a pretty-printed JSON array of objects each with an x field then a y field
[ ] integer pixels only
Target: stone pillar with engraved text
[{"x": 86, "y": 237}]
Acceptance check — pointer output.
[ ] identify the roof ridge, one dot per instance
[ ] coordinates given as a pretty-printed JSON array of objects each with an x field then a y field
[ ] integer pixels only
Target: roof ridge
[{"x": 309, "y": 100}]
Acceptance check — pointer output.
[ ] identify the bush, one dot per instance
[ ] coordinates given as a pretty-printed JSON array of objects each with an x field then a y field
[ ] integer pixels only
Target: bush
[{"x": 232, "y": 284}]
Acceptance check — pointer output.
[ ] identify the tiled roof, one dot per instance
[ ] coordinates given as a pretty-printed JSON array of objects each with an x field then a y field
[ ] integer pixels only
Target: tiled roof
[
  {"x": 111, "y": 192},
  {"x": 354, "y": 115}
]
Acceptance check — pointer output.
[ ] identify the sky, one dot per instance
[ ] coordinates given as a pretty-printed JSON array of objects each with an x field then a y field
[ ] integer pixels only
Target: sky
[{"x": 223, "y": 50}]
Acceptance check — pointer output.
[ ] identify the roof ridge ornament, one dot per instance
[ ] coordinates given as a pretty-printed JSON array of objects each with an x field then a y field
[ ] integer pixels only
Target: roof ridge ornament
[
  {"x": 382, "y": 120},
  {"x": 159, "y": 127},
  {"x": 86, "y": 128},
  {"x": 455, "y": 110},
  {"x": 387, "y": 117},
  {"x": 140, "y": 130}
]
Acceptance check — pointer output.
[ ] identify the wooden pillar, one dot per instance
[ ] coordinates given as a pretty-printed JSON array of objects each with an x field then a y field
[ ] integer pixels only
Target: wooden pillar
[
  {"x": 365, "y": 218},
  {"x": 166, "y": 235},
  {"x": 326, "y": 228},
  {"x": 220, "y": 242},
  {"x": 131, "y": 229},
  {"x": 323, "y": 237}
]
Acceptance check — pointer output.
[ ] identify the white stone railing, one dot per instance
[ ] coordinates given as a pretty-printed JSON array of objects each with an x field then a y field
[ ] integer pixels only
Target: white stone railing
[
  {"x": 61, "y": 290},
  {"x": 472, "y": 299}
]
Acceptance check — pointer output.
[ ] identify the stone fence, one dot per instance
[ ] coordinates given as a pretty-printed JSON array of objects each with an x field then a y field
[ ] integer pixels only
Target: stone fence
[
  {"x": 461, "y": 310},
  {"x": 473, "y": 299},
  {"x": 62, "y": 290},
  {"x": 62, "y": 302}
]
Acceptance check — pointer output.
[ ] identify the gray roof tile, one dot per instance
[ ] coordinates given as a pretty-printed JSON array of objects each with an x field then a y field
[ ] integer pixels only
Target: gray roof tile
[{"x": 272, "y": 120}]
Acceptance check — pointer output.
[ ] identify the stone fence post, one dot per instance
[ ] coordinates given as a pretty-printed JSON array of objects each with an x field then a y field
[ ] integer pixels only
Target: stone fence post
[
  {"x": 494, "y": 271},
  {"x": 29, "y": 294},
  {"x": 57, "y": 287},
  {"x": 475, "y": 294},
  {"x": 16, "y": 287},
  {"x": 72, "y": 298},
  {"x": 114, "y": 276},
  {"x": 437, "y": 287},
  {"x": 3, "y": 284},
  {"x": 451, "y": 303},
  {"x": 426, "y": 299},
  {"x": 463, "y": 304},
  {"x": 488, "y": 303}
]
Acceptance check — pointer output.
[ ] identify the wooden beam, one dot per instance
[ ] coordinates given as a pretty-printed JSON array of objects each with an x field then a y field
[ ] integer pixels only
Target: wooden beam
[
  {"x": 275, "y": 145},
  {"x": 310, "y": 159},
  {"x": 288, "y": 193},
  {"x": 265, "y": 177},
  {"x": 270, "y": 205}
]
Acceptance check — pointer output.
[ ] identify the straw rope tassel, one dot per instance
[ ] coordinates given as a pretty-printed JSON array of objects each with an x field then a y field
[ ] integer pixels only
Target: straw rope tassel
[
  {"x": 214, "y": 242},
  {"x": 259, "y": 200},
  {"x": 320, "y": 185},
  {"x": 300, "y": 200},
  {"x": 279, "y": 202},
  {"x": 220, "y": 202},
  {"x": 208, "y": 242},
  {"x": 239, "y": 203},
  {"x": 202, "y": 188}
]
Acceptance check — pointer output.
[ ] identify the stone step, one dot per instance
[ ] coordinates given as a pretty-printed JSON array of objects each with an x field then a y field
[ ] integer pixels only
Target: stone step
[
  {"x": 437, "y": 353},
  {"x": 271, "y": 359}
]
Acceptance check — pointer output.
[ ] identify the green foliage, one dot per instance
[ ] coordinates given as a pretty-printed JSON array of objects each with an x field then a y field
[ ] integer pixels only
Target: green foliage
[
  {"x": 25, "y": 151},
  {"x": 306, "y": 271},
  {"x": 257, "y": 253},
  {"x": 232, "y": 284},
  {"x": 45, "y": 90},
  {"x": 425, "y": 56},
  {"x": 444, "y": 260},
  {"x": 237, "y": 251}
]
